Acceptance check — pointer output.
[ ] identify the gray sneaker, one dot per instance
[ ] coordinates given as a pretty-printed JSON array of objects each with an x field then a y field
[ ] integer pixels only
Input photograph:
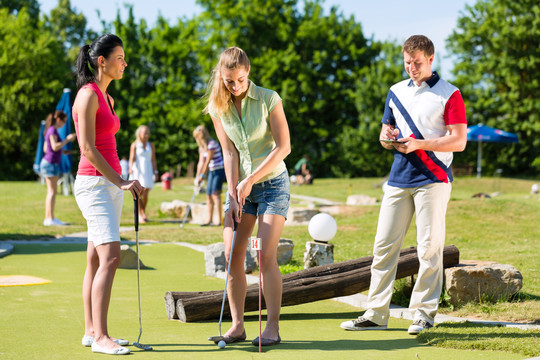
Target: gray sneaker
[
  {"x": 361, "y": 324},
  {"x": 418, "y": 326}
]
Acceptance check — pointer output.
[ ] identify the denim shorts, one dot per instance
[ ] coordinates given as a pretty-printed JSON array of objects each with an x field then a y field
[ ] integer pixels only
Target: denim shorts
[
  {"x": 101, "y": 203},
  {"x": 48, "y": 170},
  {"x": 215, "y": 181},
  {"x": 268, "y": 197}
]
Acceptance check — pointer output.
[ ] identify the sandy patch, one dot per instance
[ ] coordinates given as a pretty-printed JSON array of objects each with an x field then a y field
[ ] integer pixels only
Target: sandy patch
[{"x": 21, "y": 280}]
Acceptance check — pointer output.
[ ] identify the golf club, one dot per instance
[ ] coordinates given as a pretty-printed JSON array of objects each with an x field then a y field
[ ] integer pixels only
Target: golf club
[
  {"x": 218, "y": 338},
  {"x": 195, "y": 192},
  {"x": 136, "y": 212}
]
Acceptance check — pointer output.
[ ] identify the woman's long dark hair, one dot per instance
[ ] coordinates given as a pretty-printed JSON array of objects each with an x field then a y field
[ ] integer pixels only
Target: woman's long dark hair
[{"x": 89, "y": 54}]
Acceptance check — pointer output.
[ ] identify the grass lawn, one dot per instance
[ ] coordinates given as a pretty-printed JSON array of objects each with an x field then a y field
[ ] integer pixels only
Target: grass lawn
[
  {"x": 502, "y": 229},
  {"x": 46, "y": 321}
]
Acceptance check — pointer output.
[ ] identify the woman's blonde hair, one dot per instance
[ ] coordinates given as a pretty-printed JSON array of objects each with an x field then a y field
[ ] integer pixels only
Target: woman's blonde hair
[
  {"x": 202, "y": 136},
  {"x": 217, "y": 94},
  {"x": 138, "y": 132}
]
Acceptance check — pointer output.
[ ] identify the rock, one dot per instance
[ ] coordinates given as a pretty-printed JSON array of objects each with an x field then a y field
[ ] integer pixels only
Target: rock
[
  {"x": 199, "y": 214},
  {"x": 297, "y": 216},
  {"x": 475, "y": 281},
  {"x": 331, "y": 209},
  {"x": 318, "y": 253},
  {"x": 5, "y": 249},
  {"x": 128, "y": 258},
  {"x": 251, "y": 263},
  {"x": 481, "y": 195},
  {"x": 361, "y": 200},
  {"x": 214, "y": 257},
  {"x": 284, "y": 251},
  {"x": 175, "y": 208}
]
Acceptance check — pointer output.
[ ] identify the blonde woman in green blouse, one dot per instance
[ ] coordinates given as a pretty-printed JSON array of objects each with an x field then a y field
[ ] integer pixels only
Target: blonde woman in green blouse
[{"x": 251, "y": 126}]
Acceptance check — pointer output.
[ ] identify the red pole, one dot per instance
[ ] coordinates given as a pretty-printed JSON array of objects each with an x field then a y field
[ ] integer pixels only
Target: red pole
[{"x": 260, "y": 317}]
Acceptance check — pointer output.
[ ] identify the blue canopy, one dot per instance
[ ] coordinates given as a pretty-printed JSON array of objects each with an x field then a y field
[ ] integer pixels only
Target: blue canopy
[
  {"x": 39, "y": 149},
  {"x": 482, "y": 133},
  {"x": 65, "y": 105}
]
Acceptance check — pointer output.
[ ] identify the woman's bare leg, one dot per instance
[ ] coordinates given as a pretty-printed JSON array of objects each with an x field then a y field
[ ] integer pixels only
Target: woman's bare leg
[
  {"x": 236, "y": 289},
  {"x": 109, "y": 259},
  {"x": 270, "y": 229}
]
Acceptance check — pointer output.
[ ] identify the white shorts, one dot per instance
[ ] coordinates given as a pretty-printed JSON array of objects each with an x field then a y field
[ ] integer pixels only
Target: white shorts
[{"x": 101, "y": 203}]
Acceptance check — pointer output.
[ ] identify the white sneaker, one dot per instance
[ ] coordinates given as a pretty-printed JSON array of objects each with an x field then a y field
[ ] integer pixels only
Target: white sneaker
[
  {"x": 117, "y": 351},
  {"x": 87, "y": 340},
  {"x": 57, "y": 222},
  {"x": 47, "y": 222},
  {"x": 418, "y": 326}
]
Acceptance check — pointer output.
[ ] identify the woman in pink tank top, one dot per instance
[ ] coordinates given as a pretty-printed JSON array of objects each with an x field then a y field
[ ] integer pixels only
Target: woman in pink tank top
[{"x": 99, "y": 187}]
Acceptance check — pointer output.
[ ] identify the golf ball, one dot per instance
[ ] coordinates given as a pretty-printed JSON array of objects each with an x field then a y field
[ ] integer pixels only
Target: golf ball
[{"x": 221, "y": 344}]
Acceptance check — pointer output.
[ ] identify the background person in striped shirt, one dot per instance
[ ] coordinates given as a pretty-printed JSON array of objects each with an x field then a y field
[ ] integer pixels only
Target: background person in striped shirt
[{"x": 210, "y": 159}]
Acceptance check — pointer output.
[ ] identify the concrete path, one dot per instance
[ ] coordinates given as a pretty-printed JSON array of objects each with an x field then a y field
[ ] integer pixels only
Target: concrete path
[{"x": 315, "y": 199}]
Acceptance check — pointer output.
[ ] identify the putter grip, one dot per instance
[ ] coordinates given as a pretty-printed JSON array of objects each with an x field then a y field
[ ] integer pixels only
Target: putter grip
[
  {"x": 136, "y": 212},
  {"x": 235, "y": 224}
]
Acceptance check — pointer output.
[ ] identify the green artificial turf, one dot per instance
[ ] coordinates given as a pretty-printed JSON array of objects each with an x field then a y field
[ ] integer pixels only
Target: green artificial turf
[
  {"x": 46, "y": 321},
  {"x": 476, "y": 336}
]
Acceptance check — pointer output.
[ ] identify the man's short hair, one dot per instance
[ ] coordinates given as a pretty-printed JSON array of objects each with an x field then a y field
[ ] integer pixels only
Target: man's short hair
[{"x": 418, "y": 43}]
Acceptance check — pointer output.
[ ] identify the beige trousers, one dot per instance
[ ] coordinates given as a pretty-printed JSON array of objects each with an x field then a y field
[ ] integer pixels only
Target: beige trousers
[{"x": 429, "y": 202}]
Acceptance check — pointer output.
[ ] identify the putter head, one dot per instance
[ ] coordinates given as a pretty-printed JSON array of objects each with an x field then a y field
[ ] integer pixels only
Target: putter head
[
  {"x": 216, "y": 339},
  {"x": 141, "y": 346}
]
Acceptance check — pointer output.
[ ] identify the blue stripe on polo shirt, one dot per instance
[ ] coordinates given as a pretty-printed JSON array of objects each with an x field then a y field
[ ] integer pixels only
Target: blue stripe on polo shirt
[{"x": 408, "y": 170}]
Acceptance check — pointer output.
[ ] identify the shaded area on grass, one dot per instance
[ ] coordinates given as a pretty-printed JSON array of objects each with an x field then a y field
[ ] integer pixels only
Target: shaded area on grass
[
  {"x": 17, "y": 236},
  {"x": 31, "y": 249},
  {"x": 472, "y": 336}
]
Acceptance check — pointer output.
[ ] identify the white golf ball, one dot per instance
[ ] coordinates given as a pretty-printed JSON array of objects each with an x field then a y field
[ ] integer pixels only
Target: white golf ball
[
  {"x": 322, "y": 227},
  {"x": 221, "y": 344}
]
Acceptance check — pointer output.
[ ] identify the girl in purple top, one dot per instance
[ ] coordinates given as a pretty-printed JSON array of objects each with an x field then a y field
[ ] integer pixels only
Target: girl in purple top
[{"x": 50, "y": 164}]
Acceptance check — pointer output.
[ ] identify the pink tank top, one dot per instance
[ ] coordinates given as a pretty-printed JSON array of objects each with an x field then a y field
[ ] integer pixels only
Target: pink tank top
[{"x": 107, "y": 125}]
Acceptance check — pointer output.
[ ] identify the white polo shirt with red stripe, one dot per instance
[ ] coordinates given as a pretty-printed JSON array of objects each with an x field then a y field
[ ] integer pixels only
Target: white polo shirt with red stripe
[{"x": 422, "y": 112}]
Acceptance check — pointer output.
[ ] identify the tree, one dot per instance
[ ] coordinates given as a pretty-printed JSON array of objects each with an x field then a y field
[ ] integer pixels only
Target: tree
[
  {"x": 161, "y": 87},
  {"x": 15, "y": 6},
  {"x": 360, "y": 149},
  {"x": 32, "y": 78},
  {"x": 497, "y": 45},
  {"x": 69, "y": 27},
  {"x": 311, "y": 59}
]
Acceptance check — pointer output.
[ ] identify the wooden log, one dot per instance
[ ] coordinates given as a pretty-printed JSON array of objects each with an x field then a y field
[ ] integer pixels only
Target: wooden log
[
  {"x": 171, "y": 297},
  {"x": 329, "y": 282}
]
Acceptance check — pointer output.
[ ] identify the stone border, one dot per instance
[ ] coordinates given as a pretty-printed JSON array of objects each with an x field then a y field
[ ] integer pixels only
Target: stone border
[{"x": 5, "y": 249}]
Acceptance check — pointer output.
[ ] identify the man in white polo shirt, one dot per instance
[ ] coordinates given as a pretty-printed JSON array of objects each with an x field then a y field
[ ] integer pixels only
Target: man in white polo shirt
[{"x": 423, "y": 122}]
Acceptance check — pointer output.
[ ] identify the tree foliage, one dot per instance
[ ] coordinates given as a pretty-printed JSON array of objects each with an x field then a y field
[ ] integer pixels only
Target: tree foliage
[
  {"x": 333, "y": 80},
  {"x": 69, "y": 27},
  {"x": 161, "y": 87},
  {"x": 497, "y": 43},
  {"x": 32, "y": 74},
  {"x": 311, "y": 59}
]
